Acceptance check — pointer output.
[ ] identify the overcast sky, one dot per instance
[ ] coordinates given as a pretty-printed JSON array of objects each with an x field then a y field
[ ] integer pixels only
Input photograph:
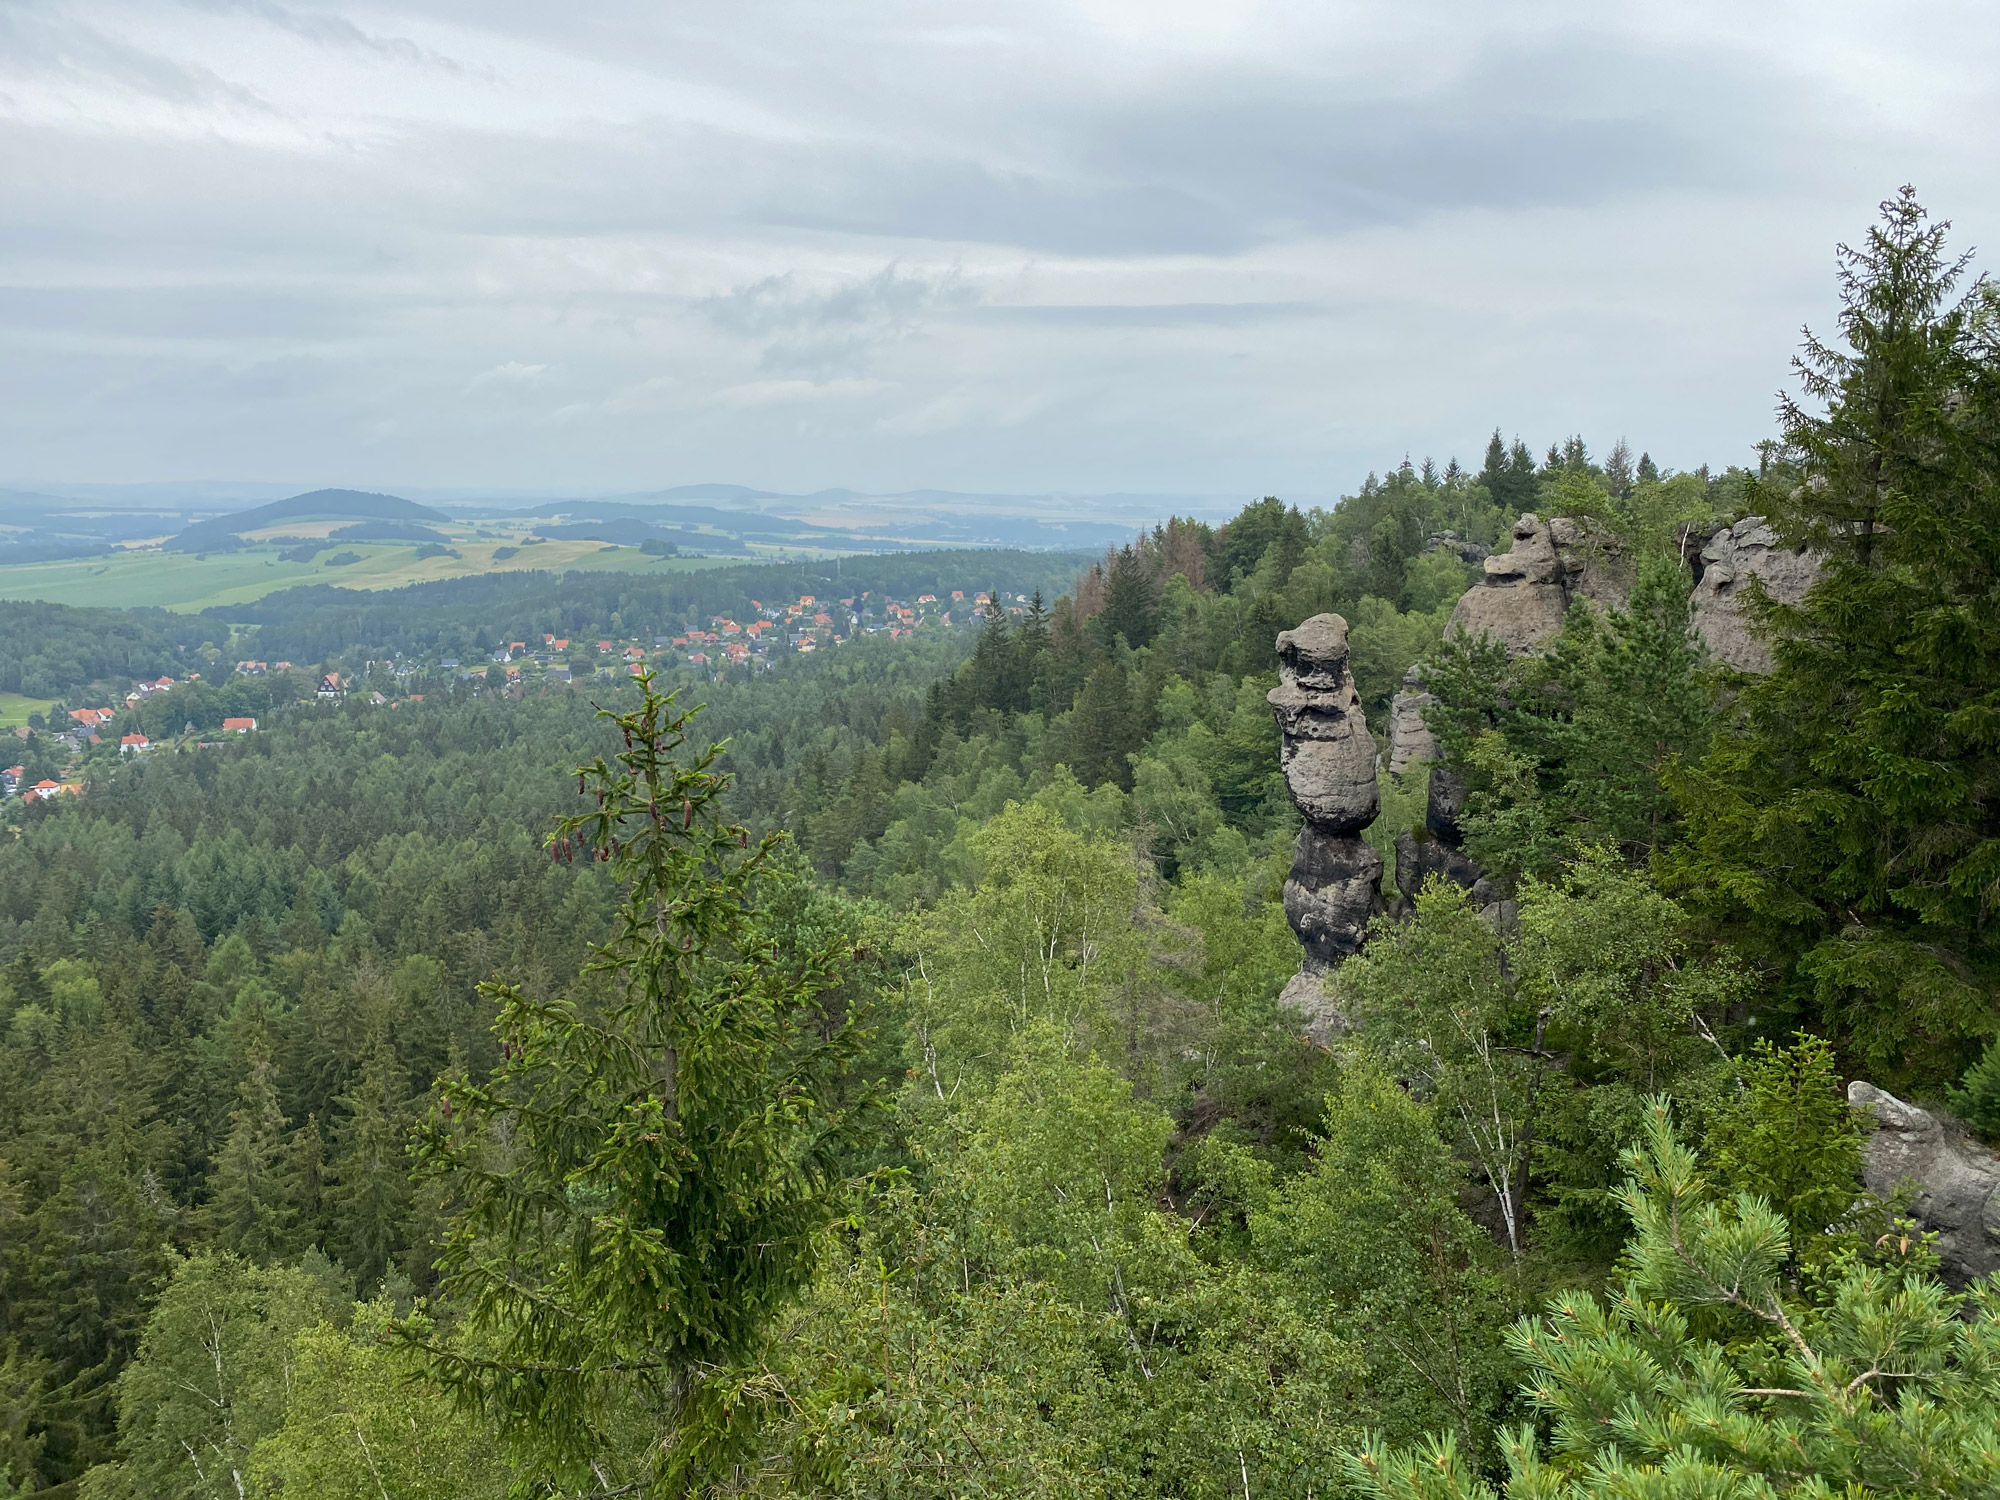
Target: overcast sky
[{"x": 1212, "y": 246}]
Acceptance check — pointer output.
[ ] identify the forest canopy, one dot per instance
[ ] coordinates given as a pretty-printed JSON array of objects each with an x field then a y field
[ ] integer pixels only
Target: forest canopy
[{"x": 873, "y": 1074}]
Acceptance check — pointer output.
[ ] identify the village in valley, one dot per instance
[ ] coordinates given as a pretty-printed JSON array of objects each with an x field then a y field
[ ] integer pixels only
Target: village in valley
[{"x": 60, "y": 746}]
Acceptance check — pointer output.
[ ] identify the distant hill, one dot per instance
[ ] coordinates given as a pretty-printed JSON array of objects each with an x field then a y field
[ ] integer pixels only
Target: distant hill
[
  {"x": 626, "y": 531},
  {"x": 223, "y": 532},
  {"x": 386, "y": 531}
]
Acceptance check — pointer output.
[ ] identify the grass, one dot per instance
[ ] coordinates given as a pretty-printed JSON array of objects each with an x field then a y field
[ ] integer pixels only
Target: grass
[
  {"x": 190, "y": 582},
  {"x": 14, "y": 709}
]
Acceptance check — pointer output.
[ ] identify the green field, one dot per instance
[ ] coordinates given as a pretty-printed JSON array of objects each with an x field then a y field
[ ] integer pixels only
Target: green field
[
  {"x": 14, "y": 709},
  {"x": 191, "y": 583}
]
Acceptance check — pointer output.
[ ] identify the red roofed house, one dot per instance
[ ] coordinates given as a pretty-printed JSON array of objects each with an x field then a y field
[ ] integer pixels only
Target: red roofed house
[
  {"x": 238, "y": 726},
  {"x": 45, "y": 789},
  {"x": 134, "y": 744},
  {"x": 10, "y": 780}
]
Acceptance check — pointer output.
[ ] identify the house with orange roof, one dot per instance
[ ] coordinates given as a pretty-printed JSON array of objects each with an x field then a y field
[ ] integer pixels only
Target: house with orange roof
[
  {"x": 134, "y": 744},
  {"x": 45, "y": 789},
  {"x": 238, "y": 726}
]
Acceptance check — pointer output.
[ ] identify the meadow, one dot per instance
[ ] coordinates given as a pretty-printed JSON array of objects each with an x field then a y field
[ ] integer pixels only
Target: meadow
[
  {"x": 14, "y": 709},
  {"x": 192, "y": 582}
]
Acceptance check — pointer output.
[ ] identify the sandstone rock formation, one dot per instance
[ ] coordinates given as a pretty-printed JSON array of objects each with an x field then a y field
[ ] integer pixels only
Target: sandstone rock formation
[
  {"x": 1328, "y": 757},
  {"x": 1957, "y": 1179},
  {"x": 1520, "y": 603},
  {"x": 1410, "y": 738},
  {"x": 1729, "y": 559},
  {"x": 1437, "y": 850},
  {"x": 1527, "y": 590}
]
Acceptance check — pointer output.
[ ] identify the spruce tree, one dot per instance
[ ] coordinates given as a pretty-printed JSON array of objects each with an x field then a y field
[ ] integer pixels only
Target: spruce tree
[
  {"x": 1849, "y": 824},
  {"x": 1493, "y": 474},
  {"x": 1103, "y": 730},
  {"x": 1132, "y": 604},
  {"x": 644, "y": 1181},
  {"x": 370, "y": 1200},
  {"x": 254, "y": 1209},
  {"x": 1618, "y": 470}
]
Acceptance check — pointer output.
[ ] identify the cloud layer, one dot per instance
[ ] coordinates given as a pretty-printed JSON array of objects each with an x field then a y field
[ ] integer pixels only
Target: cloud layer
[{"x": 1106, "y": 245}]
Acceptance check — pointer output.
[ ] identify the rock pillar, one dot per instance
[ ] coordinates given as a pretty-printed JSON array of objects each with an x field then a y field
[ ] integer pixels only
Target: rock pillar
[
  {"x": 1328, "y": 757},
  {"x": 1410, "y": 738}
]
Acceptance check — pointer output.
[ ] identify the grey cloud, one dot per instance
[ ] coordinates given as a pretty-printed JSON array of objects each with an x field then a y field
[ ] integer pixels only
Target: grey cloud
[
  {"x": 1238, "y": 161},
  {"x": 67, "y": 48},
  {"x": 331, "y": 30},
  {"x": 824, "y": 330},
  {"x": 167, "y": 312},
  {"x": 1252, "y": 267},
  {"x": 1146, "y": 314}
]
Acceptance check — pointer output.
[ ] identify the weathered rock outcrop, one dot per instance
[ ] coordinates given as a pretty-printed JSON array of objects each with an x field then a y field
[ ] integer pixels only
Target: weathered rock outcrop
[
  {"x": 1437, "y": 850},
  {"x": 1528, "y": 589},
  {"x": 1410, "y": 738},
  {"x": 1328, "y": 757},
  {"x": 1957, "y": 1179},
  {"x": 1520, "y": 603},
  {"x": 1729, "y": 559}
]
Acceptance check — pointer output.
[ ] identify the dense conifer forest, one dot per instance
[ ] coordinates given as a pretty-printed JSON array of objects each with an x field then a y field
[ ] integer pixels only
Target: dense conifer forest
[{"x": 869, "y": 1075}]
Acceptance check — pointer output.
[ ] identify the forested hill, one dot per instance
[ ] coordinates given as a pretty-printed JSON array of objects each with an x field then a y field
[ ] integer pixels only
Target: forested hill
[
  {"x": 453, "y": 1091},
  {"x": 467, "y": 617},
  {"x": 49, "y": 649}
]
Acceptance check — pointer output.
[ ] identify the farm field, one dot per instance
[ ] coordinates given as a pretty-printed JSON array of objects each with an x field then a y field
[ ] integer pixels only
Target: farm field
[
  {"x": 191, "y": 583},
  {"x": 14, "y": 709}
]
